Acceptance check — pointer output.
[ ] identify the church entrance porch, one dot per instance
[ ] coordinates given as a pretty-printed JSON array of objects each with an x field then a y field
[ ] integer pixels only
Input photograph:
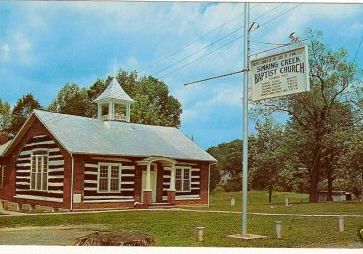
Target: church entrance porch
[{"x": 152, "y": 189}]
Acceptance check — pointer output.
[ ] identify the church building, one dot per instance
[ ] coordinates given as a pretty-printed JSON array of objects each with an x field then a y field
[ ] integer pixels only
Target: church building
[{"x": 74, "y": 163}]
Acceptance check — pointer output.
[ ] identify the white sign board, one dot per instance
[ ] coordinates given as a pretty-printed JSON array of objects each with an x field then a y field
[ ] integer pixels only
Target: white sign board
[{"x": 280, "y": 74}]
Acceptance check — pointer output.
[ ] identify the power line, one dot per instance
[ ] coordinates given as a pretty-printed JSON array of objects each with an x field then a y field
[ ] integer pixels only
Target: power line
[
  {"x": 185, "y": 47},
  {"x": 281, "y": 46},
  {"x": 267, "y": 13},
  {"x": 199, "y": 58},
  {"x": 268, "y": 22},
  {"x": 198, "y": 51},
  {"x": 194, "y": 41},
  {"x": 210, "y": 44},
  {"x": 356, "y": 52},
  {"x": 281, "y": 14},
  {"x": 270, "y": 49}
]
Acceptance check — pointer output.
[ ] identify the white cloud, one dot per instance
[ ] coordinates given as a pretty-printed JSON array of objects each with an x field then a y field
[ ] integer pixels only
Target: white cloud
[
  {"x": 149, "y": 31},
  {"x": 16, "y": 49},
  {"x": 303, "y": 16},
  {"x": 218, "y": 99},
  {"x": 5, "y": 49},
  {"x": 353, "y": 31}
]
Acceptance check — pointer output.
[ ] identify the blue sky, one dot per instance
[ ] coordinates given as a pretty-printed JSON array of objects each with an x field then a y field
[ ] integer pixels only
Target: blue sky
[{"x": 44, "y": 45}]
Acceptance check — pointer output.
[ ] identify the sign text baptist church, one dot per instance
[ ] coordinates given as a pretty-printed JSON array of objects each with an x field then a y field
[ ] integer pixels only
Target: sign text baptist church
[{"x": 280, "y": 74}]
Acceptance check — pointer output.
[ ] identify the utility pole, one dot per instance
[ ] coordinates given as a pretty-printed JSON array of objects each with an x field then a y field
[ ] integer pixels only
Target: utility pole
[
  {"x": 246, "y": 72},
  {"x": 245, "y": 118}
]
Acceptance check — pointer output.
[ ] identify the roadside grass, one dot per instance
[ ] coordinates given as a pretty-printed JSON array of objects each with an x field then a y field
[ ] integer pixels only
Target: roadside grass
[
  {"x": 258, "y": 203},
  {"x": 177, "y": 228}
]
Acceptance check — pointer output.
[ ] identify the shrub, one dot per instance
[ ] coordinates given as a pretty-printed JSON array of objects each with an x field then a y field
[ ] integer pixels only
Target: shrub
[{"x": 233, "y": 184}]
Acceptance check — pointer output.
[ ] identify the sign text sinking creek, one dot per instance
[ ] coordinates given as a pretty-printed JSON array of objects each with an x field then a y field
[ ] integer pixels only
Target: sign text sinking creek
[{"x": 280, "y": 74}]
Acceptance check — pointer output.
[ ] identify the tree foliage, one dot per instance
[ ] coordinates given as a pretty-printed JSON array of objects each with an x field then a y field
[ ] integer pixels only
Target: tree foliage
[
  {"x": 5, "y": 116},
  {"x": 214, "y": 177},
  {"x": 71, "y": 99},
  {"x": 269, "y": 156},
  {"x": 320, "y": 145},
  {"x": 350, "y": 163},
  {"x": 229, "y": 157},
  {"x": 153, "y": 104},
  {"x": 315, "y": 115},
  {"x": 22, "y": 110}
]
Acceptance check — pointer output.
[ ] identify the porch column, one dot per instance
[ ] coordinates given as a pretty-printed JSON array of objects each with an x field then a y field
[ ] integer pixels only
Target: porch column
[
  {"x": 147, "y": 192},
  {"x": 172, "y": 178},
  {"x": 99, "y": 111},
  {"x": 128, "y": 110},
  {"x": 148, "y": 187},
  {"x": 171, "y": 191},
  {"x": 109, "y": 110}
]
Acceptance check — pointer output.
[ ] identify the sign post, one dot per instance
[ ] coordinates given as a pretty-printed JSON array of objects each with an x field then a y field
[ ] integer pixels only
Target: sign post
[
  {"x": 280, "y": 74},
  {"x": 245, "y": 120},
  {"x": 272, "y": 76}
]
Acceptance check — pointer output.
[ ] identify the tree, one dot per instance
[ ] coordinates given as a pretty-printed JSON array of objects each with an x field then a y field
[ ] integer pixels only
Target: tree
[
  {"x": 153, "y": 104},
  {"x": 5, "y": 116},
  {"x": 71, "y": 99},
  {"x": 350, "y": 163},
  {"x": 22, "y": 111},
  {"x": 128, "y": 81},
  {"x": 332, "y": 79},
  {"x": 214, "y": 177},
  {"x": 335, "y": 144},
  {"x": 92, "y": 93},
  {"x": 229, "y": 157},
  {"x": 269, "y": 157}
]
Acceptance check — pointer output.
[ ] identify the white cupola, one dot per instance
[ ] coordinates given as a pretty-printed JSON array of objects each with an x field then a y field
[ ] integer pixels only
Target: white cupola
[{"x": 114, "y": 104}]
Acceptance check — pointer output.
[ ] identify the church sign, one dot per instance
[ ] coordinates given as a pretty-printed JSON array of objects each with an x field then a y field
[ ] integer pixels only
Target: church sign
[{"x": 280, "y": 74}]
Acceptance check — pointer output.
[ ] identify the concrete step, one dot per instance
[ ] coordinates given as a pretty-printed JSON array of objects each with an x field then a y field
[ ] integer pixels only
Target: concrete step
[
  {"x": 155, "y": 206},
  {"x": 161, "y": 207}
]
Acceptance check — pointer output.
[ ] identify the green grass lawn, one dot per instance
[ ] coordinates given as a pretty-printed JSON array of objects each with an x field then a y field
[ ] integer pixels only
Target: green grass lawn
[
  {"x": 258, "y": 203},
  {"x": 171, "y": 228},
  {"x": 177, "y": 228}
]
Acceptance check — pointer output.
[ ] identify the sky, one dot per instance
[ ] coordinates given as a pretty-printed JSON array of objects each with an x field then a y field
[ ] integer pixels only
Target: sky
[{"x": 44, "y": 45}]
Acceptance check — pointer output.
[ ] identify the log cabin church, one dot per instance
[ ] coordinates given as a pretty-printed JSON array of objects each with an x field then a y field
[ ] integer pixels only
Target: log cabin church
[{"x": 73, "y": 163}]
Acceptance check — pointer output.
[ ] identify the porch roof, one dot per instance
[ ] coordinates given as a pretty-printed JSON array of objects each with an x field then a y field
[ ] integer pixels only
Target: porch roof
[
  {"x": 82, "y": 135},
  {"x": 153, "y": 159}
]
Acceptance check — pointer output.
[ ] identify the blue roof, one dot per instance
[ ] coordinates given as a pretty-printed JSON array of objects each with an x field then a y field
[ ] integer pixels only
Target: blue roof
[{"x": 82, "y": 135}]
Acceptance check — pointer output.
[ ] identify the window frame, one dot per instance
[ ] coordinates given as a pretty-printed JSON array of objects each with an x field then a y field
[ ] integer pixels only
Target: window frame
[
  {"x": 109, "y": 178},
  {"x": 183, "y": 168},
  {"x": 41, "y": 172}
]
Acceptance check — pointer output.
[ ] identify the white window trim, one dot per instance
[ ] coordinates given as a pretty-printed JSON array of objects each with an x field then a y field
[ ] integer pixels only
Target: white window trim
[
  {"x": 182, "y": 178},
  {"x": 109, "y": 165},
  {"x": 31, "y": 170}
]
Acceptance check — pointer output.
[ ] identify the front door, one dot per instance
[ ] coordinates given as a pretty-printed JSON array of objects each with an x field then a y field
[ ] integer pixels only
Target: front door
[{"x": 153, "y": 180}]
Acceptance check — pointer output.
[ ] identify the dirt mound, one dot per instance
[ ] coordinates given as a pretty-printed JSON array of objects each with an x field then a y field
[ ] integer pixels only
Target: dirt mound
[{"x": 118, "y": 238}]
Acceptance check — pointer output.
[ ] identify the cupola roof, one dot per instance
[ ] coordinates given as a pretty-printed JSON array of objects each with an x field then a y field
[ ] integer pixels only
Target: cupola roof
[{"x": 114, "y": 91}]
